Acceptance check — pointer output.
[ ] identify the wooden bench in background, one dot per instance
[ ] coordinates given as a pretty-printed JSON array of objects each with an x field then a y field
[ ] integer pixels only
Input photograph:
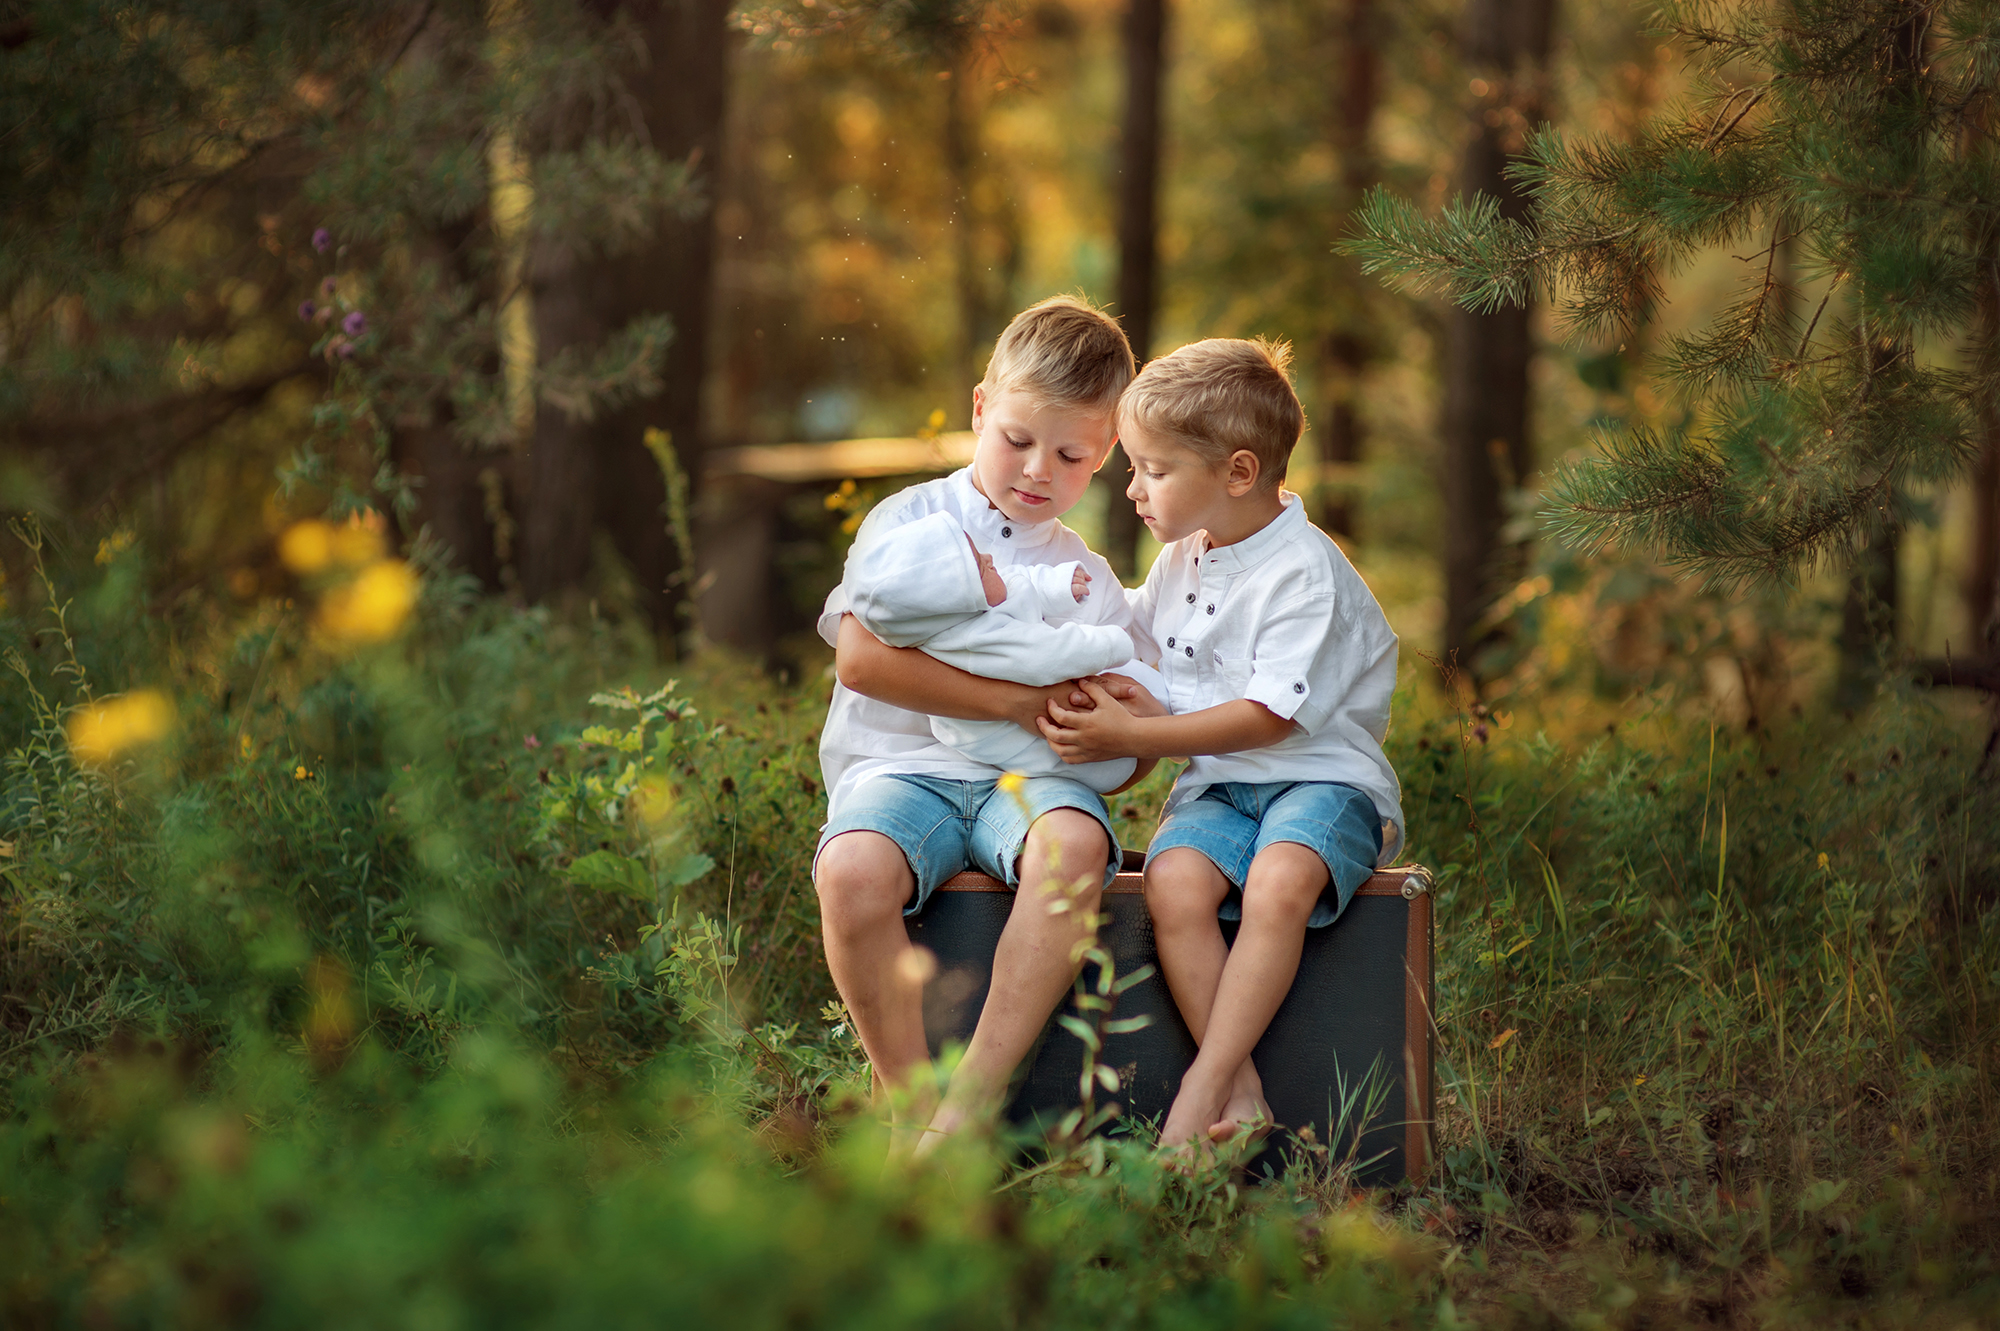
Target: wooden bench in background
[{"x": 1361, "y": 1006}]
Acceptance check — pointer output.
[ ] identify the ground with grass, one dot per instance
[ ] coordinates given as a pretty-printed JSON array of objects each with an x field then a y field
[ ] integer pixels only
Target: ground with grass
[{"x": 472, "y": 979}]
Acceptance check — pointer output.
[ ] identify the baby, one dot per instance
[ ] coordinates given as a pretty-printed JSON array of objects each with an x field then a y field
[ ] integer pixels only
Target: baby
[{"x": 926, "y": 585}]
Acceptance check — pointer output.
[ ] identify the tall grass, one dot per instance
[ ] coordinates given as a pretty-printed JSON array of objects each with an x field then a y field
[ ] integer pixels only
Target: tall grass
[{"x": 407, "y": 984}]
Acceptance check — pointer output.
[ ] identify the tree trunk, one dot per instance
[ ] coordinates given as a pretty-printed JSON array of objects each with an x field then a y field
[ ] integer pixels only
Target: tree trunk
[
  {"x": 1347, "y": 348},
  {"x": 1868, "y": 613},
  {"x": 1138, "y": 235},
  {"x": 1982, "y": 578},
  {"x": 1487, "y": 451},
  {"x": 584, "y": 476},
  {"x": 1981, "y": 586}
]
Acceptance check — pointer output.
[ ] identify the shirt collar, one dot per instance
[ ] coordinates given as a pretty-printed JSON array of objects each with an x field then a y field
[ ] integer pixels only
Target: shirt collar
[
  {"x": 990, "y": 529},
  {"x": 1254, "y": 549}
]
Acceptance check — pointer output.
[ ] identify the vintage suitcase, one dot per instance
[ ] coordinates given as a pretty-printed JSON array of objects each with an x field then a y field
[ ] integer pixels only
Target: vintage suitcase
[{"x": 1356, "y": 1023}]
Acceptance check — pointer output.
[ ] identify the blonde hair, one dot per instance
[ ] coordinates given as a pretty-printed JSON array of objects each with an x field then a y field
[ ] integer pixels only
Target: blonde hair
[
  {"x": 1064, "y": 352},
  {"x": 1219, "y": 396}
]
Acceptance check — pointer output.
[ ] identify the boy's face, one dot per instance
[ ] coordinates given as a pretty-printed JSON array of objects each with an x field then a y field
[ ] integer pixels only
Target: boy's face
[
  {"x": 1034, "y": 462},
  {"x": 1176, "y": 490}
]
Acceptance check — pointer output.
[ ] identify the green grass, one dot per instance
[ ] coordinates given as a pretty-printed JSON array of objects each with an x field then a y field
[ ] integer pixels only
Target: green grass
[{"x": 410, "y": 986}]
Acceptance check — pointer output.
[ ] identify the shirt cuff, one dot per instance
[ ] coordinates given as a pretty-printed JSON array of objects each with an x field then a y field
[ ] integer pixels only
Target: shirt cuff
[{"x": 1283, "y": 695}]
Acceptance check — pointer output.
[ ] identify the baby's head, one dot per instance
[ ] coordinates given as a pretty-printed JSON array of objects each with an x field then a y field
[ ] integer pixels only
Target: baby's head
[
  {"x": 1212, "y": 422},
  {"x": 989, "y": 577},
  {"x": 1044, "y": 411}
]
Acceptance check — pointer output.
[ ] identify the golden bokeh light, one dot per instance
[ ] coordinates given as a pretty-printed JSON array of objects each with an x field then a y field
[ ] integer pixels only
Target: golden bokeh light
[
  {"x": 306, "y": 547},
  {"x": 314, "y": 545},
  {"x": 100, "y": 731},
  {"x": 371, "y": 607}
]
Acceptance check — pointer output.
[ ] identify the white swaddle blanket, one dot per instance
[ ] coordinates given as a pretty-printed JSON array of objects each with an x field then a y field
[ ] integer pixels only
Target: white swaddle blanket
[{"x": 918, "y": 585}]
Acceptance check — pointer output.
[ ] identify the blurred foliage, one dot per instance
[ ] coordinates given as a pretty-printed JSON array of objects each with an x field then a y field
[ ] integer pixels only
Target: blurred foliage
[
  {"x": 404, "y": 981},
  {"x": 1846, "y": 147}
]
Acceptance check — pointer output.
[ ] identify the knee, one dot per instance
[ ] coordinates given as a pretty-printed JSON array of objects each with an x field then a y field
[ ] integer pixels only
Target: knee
[
  {"x": 1182, "y": 889},
  {"x": 862, "y": 879},
  {"x": 1070, "y": 838},
  {"x": 1281, "y": 900}
]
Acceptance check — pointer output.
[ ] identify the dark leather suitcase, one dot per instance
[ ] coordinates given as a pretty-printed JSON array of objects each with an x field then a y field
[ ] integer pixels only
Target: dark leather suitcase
[{"x": 1357, "y": 1023}]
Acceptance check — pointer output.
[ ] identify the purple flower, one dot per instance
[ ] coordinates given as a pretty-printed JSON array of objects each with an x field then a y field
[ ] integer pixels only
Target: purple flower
[
  {"x": 530, "y": 742},
  {"x": 322, "y": 238},
  {"x": 344, "y": 349},
  {"x": 355, "y": 324},
  {"x": 326, "y": 287},
  {"x": 307, "y": 310}
]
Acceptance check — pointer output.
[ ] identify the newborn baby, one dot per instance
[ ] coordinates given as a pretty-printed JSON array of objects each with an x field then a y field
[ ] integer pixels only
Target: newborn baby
[{"x": 926, "y": 585}]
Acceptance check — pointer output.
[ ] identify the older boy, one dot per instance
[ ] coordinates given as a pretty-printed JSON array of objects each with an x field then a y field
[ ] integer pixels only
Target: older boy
[
  {"x": 905, "y": 812},
  {"x": 1279, "y": 666}
]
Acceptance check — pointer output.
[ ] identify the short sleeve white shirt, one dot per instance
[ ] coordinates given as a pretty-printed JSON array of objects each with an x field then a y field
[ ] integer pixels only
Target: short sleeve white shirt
[
  {"x": 865, "y": 738},
  {"x": 1283, "y": 619}
]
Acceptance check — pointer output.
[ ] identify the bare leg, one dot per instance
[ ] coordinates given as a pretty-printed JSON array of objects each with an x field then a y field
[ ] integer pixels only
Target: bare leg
[
  {"x": 1183, "y": 889},
  {"x": 863, "y": 881},
  {"x": 1284, "y": 883},
  {"x": 1032, "y": 969}
]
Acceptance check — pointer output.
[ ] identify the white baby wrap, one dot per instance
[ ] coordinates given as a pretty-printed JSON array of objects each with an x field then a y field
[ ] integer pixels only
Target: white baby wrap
[{"x": 918, "y": 585}]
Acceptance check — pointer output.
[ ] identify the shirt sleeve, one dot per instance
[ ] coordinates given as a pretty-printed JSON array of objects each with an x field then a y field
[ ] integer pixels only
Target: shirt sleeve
[
  {"x": 1143, "y": 603},
  {"x": 891, "y": 513},
  {"x": 1298, "y": 668},
  {"x": 1108, "y": 602}
]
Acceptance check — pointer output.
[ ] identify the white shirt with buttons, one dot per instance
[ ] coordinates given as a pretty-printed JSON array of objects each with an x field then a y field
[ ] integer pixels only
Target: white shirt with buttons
[
  {"x": 1280, "y": 618},
  {"x": 865, "y": 738}
]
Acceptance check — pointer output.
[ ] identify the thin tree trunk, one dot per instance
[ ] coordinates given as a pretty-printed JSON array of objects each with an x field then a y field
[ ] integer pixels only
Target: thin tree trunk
[
  {"x": 1138, "y": 237},
  {"x": 1487, "y": 451},
  {"x": 1982, "y": 579},
  {"x": 959, "y": 150},
  {"x": 1981, "y": 586},
  {"x": 1347, "y": 348},
  {"x": 585, "y": 476},
  {"x": 1868, "y": 613}
]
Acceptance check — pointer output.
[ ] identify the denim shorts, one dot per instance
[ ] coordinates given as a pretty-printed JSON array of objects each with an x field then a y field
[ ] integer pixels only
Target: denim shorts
[
  {"x": 1232, "y": 821},
  {"x": 944, "y": 827}
]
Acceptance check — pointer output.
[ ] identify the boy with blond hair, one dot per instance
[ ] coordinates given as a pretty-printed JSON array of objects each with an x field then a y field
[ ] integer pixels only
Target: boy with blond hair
[
  {"x": 906, "y": 811},
  {"x": 1278, "y": 668}
]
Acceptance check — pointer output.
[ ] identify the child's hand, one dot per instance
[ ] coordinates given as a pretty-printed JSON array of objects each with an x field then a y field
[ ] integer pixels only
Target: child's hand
[
  {"x": 1079, "y": 583},
  {"x": 1137, "y": 699},
  {"x": 1105, "y": 730}
]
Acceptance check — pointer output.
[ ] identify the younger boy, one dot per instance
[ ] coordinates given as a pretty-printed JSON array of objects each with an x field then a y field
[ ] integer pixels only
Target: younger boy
[
  {"x": 904, "y": 811},
  {"x": 1279, "y": 667}
]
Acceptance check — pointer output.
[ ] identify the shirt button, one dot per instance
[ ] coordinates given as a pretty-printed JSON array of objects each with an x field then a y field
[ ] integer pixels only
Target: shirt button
[
  {"x": 1211, "y": 610},
  {"x": 1190, "y": 598},
  {"x": 1006, "y": 531},
  {"x": 1298, "y": 688},
  {"x": 1190, "y": 651},
  {"x": 1170, "y": 642}
]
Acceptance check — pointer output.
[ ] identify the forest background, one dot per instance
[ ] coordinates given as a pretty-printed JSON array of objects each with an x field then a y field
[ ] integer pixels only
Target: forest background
[{"x": 394, "y": 395}]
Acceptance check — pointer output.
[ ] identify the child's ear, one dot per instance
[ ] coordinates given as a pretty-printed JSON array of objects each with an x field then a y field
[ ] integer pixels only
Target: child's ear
[
  {"x": 978, "y": 405},
  {"x": 1242, "y": 471}
]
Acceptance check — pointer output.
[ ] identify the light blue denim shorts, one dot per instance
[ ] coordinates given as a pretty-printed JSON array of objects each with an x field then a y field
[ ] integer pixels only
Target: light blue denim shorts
[
  {"x": 1232, "y": 821},
  {"x": 944, "y": 827}
]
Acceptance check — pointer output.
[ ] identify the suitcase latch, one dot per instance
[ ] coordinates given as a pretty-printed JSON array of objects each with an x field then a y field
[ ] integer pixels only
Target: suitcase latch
[{"x": 1415, "y": 885}]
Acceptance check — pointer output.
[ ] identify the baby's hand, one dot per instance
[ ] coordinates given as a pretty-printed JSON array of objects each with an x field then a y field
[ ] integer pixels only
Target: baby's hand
[{"x": 1079, "y": 583}]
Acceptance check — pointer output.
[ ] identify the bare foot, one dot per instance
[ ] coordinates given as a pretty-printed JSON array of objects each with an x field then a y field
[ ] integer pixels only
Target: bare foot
[
  {"x": 1243, "y": 1114},
  {"x": 910, "y": 1109},
  {"x": 1246, "y": 1111},
  {"x": 1194, "y": 1108},
  {"x": 950, "y": 1118}
]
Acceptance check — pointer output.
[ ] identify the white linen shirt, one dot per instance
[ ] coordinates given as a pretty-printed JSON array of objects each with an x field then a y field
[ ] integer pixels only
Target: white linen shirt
[
  {"x": 1280, "y": 618},
  {"x": 865, "y": 738}
]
